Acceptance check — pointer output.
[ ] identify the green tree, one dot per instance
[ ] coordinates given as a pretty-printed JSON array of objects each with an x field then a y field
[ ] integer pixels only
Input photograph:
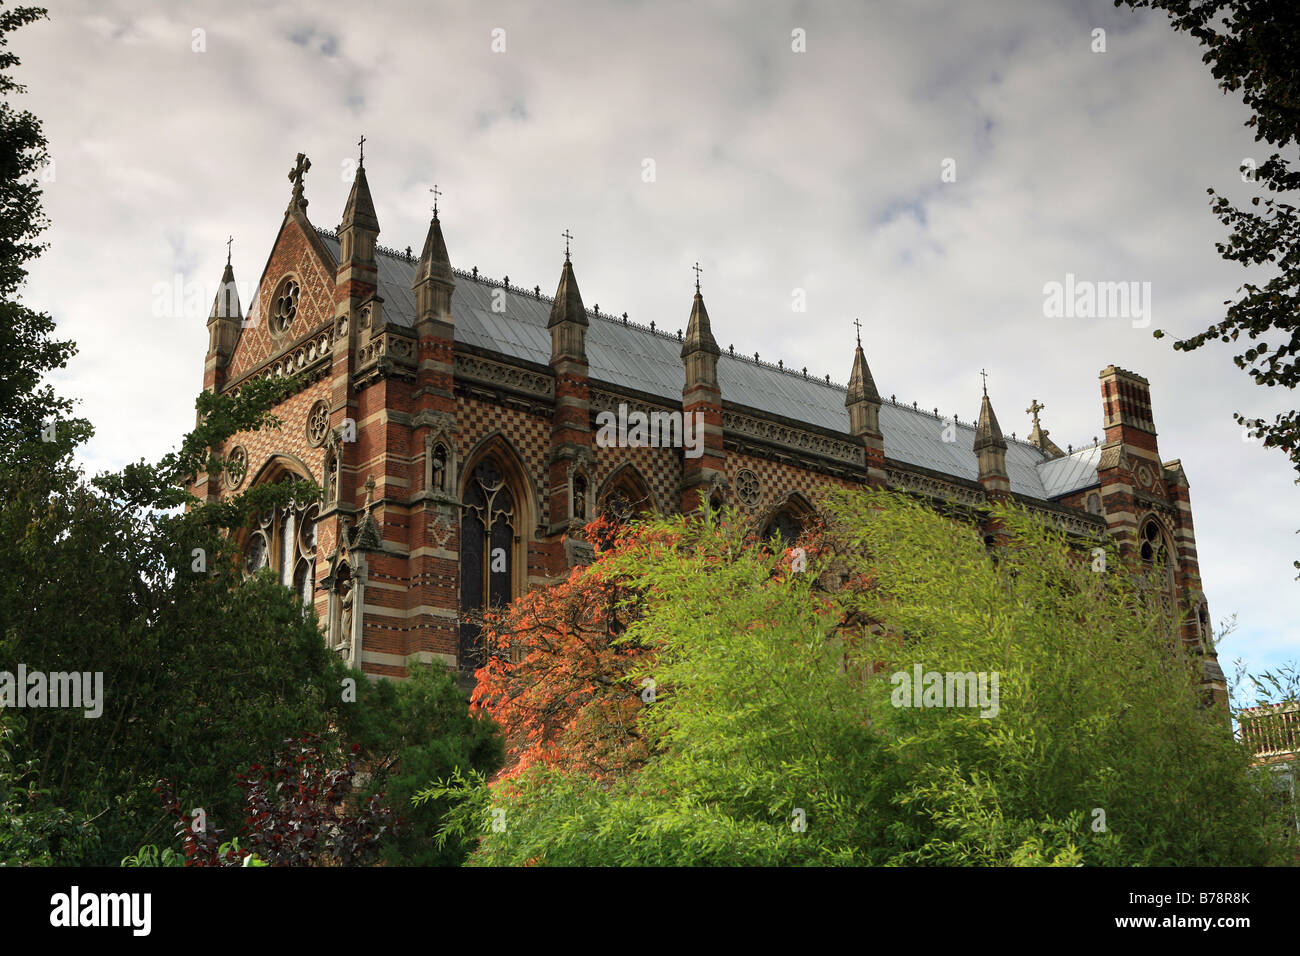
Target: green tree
[
  {"x": 32, "y": 827},
  {"x": 411, "y": 732},
  {"x": 779, "y": 737},
  {"x": 27, "y": 351},
  {"x": 203, "y": 672},
  {"x": 128, "y": 576}
]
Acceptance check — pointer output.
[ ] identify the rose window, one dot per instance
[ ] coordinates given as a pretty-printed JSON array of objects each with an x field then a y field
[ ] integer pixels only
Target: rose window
[
  {"x": 748, "y": 488},
  {"x": 318, "y": 424},
  {"x": 285, "y": 305},
  {"x": 236, "y": 466}
]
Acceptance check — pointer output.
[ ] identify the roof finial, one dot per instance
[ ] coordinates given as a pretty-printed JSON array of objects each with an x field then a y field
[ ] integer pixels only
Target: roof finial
[
  {"x": 1034, "y": 408},
  {"x": 985, "y": 375},
  {"x": 228, "y": 244},
  {"x": 300, "y": 167},
  {"x": 567, "y": 236},
  {"x": 436, "y": 193},
  {"x": 859, "y": 327},
  {"x": 697, "y": 269},
  {"x": 361, "y": 144},
  {"x": 370, "y": 490}
]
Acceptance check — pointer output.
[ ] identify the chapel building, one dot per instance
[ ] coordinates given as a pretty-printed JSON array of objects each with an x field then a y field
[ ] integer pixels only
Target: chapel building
[{"x": 452, "y": 421}]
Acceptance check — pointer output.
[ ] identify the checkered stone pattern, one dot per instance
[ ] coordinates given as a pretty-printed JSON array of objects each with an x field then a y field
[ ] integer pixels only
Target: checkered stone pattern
[
  {"x": 289, "y": 439},
  {"x": 292, "y": 254},
  {"x": 658, "y": 468},
  {"x": 528, "y": 435},
  {"x": 777, "y": 480}
]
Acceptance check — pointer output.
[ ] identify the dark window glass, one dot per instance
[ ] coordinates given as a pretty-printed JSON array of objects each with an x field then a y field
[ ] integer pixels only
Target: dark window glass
[{"x": 487, "y": 539}]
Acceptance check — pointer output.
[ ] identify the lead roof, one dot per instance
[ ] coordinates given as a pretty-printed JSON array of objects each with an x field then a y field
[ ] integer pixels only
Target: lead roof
[{"x": 627, "y": 354}]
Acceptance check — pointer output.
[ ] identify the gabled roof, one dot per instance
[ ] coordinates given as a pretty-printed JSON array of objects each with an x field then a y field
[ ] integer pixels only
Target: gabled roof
[{"x": 630, "y": 355}]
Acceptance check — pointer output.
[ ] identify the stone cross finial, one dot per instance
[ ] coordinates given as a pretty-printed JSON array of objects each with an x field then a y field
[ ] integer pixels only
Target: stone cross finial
[
  {"x": 985, "y": 375},
  {"x": 1034, "y": 408},
  {"x": 299, "y": 170},
  {"x": 229, "y": 241},
  {"x": 858, "y": 325},
  {"x": 567, "y": 237},
  {"x": 361, "y": 145},
  {"x": 697, "y": 269}
]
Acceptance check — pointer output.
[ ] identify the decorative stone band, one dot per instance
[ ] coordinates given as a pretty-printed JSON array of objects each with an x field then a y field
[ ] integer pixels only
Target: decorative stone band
[
  {"x": 1082, "y": 524},
  {"x": 800, "y": 439},
  {"x": 486, "y": 372},
  {"x": 603, "y": 401},
  {"x": 934, "y": 487},
  {"x": 309, "y": 356}
]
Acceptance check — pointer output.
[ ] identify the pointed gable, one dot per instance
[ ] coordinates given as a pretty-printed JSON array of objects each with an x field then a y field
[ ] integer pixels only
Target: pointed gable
[{"x": 301, "y": 259}]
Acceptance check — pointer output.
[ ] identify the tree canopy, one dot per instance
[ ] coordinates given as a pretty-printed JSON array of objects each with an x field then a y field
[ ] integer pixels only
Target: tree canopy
[{"x": 778, "y": 733}]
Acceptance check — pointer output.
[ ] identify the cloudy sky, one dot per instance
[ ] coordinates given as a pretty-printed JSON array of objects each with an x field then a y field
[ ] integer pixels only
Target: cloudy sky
[{"x": 174, "y": 125}]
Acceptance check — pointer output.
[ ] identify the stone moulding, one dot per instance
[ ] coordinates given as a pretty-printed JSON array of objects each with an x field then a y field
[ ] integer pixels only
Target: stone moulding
[
  {"x": 1087, "y": 526},
  {"x": 603, "y": 401},
  {"x": 934, "y": 487},
  {"x": 486, "y": 372},
  {"x": 774, "y": 433}
]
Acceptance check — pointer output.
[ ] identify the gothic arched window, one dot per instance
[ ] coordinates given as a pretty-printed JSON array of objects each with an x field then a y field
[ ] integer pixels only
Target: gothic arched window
[
  {"x": 626, "y": 498},
  {"x": 785, "y": 527},
  {"x": 487, "y": 553},
  {"x": 284, "y": 539},
  {"x": 787, "y": 522},
  {"x": 1152, "y": 543},
  {"x": 1094, "y": 504},
  {"x": 1157, "y": 561}
]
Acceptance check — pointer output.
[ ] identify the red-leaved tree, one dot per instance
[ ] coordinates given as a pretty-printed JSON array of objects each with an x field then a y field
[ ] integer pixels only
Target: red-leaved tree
[
  {"x": 557, "y": 678},
  {"x": 565, "y": 679}
]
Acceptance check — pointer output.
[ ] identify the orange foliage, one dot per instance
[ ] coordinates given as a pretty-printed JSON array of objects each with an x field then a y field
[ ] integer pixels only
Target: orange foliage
[{"x": 556, "y": 679}]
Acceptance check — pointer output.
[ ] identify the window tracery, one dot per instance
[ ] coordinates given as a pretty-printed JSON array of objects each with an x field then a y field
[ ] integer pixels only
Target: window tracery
[{"x": 487, "y": 553}]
